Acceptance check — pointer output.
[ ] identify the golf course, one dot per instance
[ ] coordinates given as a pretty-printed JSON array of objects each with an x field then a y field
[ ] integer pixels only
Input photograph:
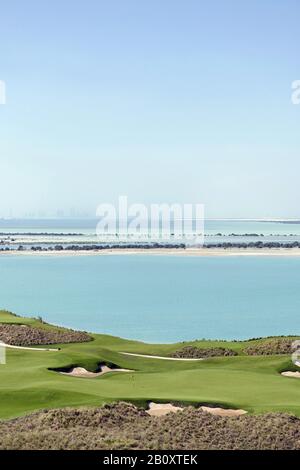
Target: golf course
[{"x": 31, "y": 379}]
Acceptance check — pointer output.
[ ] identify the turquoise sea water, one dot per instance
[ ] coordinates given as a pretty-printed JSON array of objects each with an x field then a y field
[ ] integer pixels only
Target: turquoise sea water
[{"x": 157, "y": 298}]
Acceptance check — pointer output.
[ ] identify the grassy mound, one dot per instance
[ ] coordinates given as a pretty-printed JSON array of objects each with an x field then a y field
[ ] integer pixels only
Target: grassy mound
[
  {"x": 122, "y": 426},
  {"x": 23, "y": 335},
  {"x": 270, "y": 347},
  {"x": 194, "y": 352}
]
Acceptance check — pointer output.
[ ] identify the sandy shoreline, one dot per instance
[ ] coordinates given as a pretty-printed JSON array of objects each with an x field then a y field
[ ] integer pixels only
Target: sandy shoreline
[{"x": 163, "y": 251}]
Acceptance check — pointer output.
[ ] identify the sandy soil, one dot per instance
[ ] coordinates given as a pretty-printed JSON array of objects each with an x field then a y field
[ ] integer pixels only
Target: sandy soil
[
  {"x": 222, "y": 411},
  {"x": 166, "y": 252},
  {"x": 291, "y": 374},
  {"x": 81, "y": 372},
  {"x": 164, "y": 358}
]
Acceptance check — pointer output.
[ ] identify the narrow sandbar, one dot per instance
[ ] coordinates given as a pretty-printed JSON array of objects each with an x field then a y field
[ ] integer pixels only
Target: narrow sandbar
[{"x": 162, "y": 252}]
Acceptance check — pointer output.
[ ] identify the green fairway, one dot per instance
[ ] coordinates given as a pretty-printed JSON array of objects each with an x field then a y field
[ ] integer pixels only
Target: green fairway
[{"x": 253, "y": 383}]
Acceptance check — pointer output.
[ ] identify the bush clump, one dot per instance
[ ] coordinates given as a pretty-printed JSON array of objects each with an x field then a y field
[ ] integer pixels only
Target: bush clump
[
  {"x": 23, "y": 335},
  {"x": 270, "y": 347},
  {"x": 193, "y": 352},
  {"x": 123, "y": 426}
]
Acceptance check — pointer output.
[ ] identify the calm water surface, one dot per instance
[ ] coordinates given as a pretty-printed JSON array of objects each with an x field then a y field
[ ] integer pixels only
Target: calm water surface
[{"x": 157, "y": 298}]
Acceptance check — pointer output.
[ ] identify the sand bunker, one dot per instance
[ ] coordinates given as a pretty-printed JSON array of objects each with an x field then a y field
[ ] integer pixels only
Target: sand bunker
[
  {"x": 81, "y": 372},
  {"x": 222, "y": 411},
  {"x": 162, "y": 409},
  {"x": 291, "y": 374}
]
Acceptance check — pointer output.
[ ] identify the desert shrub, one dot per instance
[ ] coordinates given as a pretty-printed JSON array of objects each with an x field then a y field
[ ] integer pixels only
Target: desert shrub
[
  {"x": 193, "y": 352},
  {"x": 123, "y": 426},
  {"x": 270, "y": 347},
  {"x": 22, "y": 335}
]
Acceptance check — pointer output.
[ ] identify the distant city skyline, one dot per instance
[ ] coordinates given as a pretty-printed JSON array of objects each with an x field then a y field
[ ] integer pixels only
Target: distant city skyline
[{"x": 166, "y": 102}]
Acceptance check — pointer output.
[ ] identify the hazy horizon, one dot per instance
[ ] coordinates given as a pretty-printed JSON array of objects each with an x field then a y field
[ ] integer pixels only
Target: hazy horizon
[{"x": 87, "y": 217}]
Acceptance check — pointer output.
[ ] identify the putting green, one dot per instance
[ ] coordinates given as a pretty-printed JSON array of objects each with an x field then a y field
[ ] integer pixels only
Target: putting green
[{"x": 252, "y": 383}]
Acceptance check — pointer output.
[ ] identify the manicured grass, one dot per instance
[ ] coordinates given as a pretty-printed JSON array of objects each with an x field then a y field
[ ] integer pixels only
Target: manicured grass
[{"x": 252, "y": 383}]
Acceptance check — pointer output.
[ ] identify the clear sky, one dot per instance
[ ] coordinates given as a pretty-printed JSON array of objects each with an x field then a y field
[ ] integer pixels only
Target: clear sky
[{"x": 161, "y": 100}]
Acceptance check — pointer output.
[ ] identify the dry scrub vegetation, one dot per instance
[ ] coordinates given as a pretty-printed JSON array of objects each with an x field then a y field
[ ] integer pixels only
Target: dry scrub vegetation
[
  {"x": 193, "y": 352},
  {"x": 123, "y": 426},
  {"x": 23, "y": 335},
  {"x": 270, "y": 347}
]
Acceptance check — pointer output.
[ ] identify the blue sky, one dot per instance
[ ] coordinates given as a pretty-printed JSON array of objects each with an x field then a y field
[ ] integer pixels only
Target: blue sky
[{"x": 163, "y": 101}]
